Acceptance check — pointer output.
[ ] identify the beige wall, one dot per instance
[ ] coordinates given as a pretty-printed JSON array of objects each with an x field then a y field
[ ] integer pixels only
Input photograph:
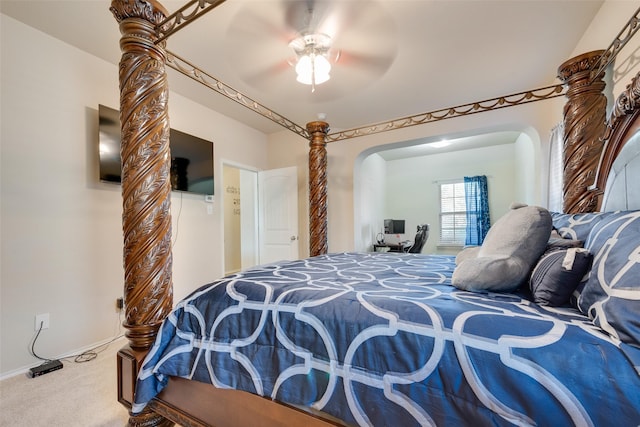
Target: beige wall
[
  {"x": 61, "y": 227},
  {"x": 370, "y": 177},
  {"x": 413, "y": 193}
]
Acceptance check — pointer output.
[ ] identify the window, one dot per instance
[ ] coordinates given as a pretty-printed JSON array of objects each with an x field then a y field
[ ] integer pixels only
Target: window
[
  {"x": 453, "y": 214},
  {"x": 556, "y": 167}
]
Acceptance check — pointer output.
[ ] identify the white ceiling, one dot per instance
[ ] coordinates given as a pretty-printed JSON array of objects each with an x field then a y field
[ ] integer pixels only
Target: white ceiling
[
  {"x": 398, "y": 57},
  {"x": 449, "y": 145}
]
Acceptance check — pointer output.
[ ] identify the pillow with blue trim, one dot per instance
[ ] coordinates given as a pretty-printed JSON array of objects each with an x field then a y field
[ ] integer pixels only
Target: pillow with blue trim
[
  {"x": 611, "y": 293},
  {"x": 557, "y": 274}
]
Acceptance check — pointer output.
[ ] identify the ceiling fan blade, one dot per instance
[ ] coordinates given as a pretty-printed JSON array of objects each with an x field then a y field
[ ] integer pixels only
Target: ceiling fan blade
[
  {"x": 259, "y": 34},
  {"x": 251, "y": 25},
  {"x": 261, "y": 78},
  {"x": 356, "y": 59}
]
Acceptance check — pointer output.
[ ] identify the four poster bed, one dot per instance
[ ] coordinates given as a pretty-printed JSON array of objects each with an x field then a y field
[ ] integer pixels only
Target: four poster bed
[{"x": 384, "y": 339}]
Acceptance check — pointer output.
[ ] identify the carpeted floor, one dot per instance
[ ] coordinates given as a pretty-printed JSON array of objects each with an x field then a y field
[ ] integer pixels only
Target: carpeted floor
[{"x": 80, "y": 394}]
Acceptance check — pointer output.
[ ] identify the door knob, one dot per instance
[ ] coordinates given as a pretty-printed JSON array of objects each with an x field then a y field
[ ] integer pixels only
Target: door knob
[{"x": 293, "y": 238}]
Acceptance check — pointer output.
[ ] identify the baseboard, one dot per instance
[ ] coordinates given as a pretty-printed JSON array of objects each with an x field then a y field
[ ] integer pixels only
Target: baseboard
[{"x": 23, "y": 370}]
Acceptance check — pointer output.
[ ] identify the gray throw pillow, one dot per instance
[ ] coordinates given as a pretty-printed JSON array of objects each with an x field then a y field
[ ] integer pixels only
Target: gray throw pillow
[
  {"x": 468, "y": 252},
  {"x": 509, "y": 252}
]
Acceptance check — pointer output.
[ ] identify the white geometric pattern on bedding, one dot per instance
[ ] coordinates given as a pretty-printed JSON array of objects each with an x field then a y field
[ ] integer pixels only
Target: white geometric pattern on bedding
[
  {"x": 383, "y": 339},
  {"x": 611, "y": 293},
  {"x": 576, "y": 226}
]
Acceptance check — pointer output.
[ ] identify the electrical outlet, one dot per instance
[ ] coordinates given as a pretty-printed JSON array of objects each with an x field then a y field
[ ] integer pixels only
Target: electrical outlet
[{"x": 42, "y": 320}]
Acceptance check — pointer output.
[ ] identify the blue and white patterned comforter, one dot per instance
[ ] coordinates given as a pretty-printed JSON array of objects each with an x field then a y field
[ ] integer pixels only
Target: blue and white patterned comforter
[{"x": 385, "y": 340}]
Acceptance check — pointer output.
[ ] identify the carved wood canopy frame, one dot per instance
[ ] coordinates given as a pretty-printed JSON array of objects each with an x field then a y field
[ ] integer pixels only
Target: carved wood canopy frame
[{"x": 146, "y": 190}]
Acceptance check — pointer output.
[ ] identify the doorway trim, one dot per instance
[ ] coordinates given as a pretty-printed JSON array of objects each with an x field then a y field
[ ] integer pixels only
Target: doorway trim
[{"x": 239, "y": 166}]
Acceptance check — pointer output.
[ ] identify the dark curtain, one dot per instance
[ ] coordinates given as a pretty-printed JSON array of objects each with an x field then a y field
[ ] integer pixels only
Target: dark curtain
[{"x": 477, "y": 204}]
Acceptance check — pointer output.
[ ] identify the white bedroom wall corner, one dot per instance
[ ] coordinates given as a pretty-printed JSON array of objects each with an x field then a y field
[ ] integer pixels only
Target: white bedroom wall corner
[
  {"x": 340, "y": 194},
  {"x": 527, "y": 182},
  {"x": 369, "y": 191}
]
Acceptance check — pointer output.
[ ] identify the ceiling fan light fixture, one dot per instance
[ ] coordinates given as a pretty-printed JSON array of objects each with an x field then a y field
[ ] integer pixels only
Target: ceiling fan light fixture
[
  {"x": 312, "y": 69},
  {"x": 312, "y": 66}
]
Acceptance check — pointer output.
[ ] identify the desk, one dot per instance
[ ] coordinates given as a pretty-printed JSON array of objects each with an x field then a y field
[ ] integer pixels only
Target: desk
[{"x": 390, "y": 247}]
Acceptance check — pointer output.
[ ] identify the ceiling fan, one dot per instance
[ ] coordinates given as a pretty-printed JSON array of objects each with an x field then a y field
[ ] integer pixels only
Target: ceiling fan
[{"x": 355, "y": 39}]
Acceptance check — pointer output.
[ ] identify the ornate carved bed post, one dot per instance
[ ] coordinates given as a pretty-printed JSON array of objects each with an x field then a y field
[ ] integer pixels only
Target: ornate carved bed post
[
  {"x": 318, "y": 187},
  {"x": 584, "y": 126},
  {"x": 146, "y": 189}
]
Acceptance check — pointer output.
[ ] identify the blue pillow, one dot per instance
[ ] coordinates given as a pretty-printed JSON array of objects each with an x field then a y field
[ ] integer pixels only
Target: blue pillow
[
  {"x": 557, "y": 274},
  {"x": 611, "y": 293},
  {"x": 576, "y": 226}
]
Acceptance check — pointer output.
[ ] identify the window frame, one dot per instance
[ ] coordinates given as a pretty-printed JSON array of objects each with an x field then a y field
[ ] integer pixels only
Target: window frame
[{"x": 459, "y": 231}]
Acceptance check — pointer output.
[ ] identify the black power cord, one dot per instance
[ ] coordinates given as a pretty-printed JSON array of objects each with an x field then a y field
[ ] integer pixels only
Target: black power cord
[
  {"x": 85, "y": 356},
  {"x": 32, "y": 350},
  {"x": 92, "y": 353}
]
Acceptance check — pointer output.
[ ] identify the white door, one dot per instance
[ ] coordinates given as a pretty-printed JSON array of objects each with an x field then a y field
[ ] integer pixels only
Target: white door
[{"x": 278, "y": 218}]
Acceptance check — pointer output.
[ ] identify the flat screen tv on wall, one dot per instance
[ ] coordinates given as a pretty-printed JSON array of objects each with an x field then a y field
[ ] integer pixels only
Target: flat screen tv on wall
[{"x": 191, "y": 157}]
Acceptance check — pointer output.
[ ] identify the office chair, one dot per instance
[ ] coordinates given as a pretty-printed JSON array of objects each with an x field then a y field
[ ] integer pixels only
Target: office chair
[{"x": 421, "y": 238}]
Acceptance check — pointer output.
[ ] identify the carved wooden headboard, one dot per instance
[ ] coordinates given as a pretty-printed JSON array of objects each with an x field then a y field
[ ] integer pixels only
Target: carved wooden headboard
[
  {"x": 621, "y": 190},
  {"x": 619, "y": 166}
]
